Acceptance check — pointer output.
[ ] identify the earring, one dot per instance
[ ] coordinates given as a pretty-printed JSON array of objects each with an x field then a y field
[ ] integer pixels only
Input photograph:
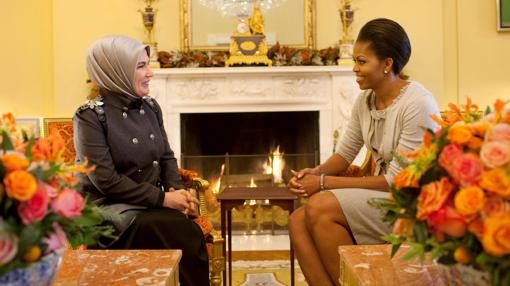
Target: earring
[{"x": 385, "y": 72}]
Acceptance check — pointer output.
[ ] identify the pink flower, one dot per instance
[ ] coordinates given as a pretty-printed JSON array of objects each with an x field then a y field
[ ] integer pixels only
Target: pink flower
[
  {"x": 467, "y": 170},
  {"x": 55, "y": 240},
  {"x": 8, "y": 247},
  {"x": 68, "y": 203},
  {"x": 495, "y": 154},
  {"x": 499, "y": 132},
  {"x": 36, "y": 208},
  {"x": 450, "y": 154}
]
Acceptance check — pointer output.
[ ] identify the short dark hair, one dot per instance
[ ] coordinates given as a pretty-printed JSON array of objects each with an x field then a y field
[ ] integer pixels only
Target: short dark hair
[{"x": 388, "y": 40}]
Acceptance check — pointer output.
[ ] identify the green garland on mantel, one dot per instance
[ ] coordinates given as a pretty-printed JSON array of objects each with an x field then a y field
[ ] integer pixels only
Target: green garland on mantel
[{"x": 280, "y": 55}]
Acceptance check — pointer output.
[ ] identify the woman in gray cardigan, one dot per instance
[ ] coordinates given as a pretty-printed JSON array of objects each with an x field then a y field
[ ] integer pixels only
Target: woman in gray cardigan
[{"x": 387, "y": 117}]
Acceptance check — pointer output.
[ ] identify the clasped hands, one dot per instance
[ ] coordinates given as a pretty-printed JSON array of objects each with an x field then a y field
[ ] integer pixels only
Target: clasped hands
[
  {"x": 305, "y": 182},
  {"x": 181, "y": 200}
]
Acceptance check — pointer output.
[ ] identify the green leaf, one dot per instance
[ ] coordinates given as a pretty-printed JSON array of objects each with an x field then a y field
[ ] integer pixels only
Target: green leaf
[
  {"x": 415, "y": 250},
  {"x": 420, "y": 232},
  {"x": 28, "y": 149},
  {"x": 488, "y": 110},
  {"x": 2, "y": 171},
  {"x": 6, "y": 141}
]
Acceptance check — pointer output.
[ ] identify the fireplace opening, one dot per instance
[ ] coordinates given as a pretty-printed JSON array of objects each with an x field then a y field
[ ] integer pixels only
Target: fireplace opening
[
  {"x": 252, "y": 149},
  {"x": 244, "y": 140}
]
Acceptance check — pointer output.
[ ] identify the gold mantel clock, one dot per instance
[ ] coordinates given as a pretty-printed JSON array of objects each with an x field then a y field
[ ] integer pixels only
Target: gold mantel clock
[{"x": 248, "y": 44}]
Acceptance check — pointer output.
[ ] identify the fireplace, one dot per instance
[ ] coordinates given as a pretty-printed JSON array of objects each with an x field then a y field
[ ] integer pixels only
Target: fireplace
[
  {"x": 244, "y": 141},
  {"x": 237, "y": 117}
]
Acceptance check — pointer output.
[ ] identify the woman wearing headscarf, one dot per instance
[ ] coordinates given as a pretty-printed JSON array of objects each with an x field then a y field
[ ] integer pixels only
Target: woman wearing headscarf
[{"x": 121, "y": 133}]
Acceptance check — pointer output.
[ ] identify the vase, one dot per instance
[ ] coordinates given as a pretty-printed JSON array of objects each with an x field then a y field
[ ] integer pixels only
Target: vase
[
  {"x": 42, "y": 272},
  {"x": 462, "y": 275}
]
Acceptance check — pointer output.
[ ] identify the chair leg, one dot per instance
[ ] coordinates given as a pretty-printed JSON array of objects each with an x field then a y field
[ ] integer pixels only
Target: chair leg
[{"x": 217, "y": 265}]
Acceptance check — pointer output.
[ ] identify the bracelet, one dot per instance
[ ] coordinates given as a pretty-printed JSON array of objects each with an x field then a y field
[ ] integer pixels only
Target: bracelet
[{"x": 321, "y": 182}]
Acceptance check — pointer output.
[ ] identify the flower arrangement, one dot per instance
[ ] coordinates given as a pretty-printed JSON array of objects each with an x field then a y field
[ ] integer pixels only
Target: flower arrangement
[
  {"x": 280, "y": 55},
  {"x": 40, "y": 210},
  {"x": 452, "y": 196}
]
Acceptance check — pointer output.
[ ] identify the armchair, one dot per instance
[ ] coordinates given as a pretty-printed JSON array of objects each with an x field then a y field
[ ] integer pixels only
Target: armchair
[{"x": 208, "y": 203}]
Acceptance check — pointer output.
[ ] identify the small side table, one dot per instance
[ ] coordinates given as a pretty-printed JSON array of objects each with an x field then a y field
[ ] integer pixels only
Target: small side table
[
  {"x": 236, "y": 196},
  {"x": 119, "y": 267},
  {"x": 373, "y": 265}
]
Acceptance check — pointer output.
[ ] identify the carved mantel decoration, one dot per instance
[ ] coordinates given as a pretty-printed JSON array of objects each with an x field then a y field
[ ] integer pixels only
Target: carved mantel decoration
[{"x": 330, "y": 90}]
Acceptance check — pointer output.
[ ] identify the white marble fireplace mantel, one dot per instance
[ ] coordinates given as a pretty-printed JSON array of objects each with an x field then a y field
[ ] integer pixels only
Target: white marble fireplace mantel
[{"x": 330, "y": 90}]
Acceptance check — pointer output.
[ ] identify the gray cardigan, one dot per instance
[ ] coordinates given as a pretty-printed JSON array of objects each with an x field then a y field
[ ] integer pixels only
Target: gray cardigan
[{"x": 402, "y": 127}]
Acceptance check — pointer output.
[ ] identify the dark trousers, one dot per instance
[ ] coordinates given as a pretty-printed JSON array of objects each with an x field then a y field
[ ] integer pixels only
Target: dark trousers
[{"x": 165, "y": 228}]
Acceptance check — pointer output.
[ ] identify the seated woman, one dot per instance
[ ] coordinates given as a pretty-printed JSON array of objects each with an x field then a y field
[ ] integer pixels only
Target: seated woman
[
  {"x": 387, "y": 117},
  {"x": 121, "y": 132}
]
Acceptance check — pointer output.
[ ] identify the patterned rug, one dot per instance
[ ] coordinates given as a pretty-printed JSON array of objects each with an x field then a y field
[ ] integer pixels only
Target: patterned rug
[{"x": 265, "y": 273}]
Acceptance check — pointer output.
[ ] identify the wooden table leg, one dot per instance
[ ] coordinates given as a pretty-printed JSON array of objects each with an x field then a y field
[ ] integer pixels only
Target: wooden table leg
[
  {"x": 223, "y": 235},
  {"x": 292, "y": 274},
  {"x": 229, "y": 229}
]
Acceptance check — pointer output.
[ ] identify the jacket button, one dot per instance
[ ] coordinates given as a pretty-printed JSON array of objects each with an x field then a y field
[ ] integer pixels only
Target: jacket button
[
  {"x": 151, "y": 136},
  {"x": 142, "y": 112},
  {"x": 139, "y": 170},
  {"x": 125, "y": 108},
  {"x": 135, "y": 140},
  {"x": 124, "y": 114},
  {"x": 155, "y": 163}
]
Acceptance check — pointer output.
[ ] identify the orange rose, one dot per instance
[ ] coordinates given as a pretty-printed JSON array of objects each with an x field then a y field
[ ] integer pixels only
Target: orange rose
[
  {"x": 14, "y": 162},
  {"x": 469, "y": 201},
  {"x": 496, "y": 181},
  {"x": 479, "y": 128},
  {"x": 476, "y": 227},
  {"x": 495, "y": 206},
  {"x": 20, "y": 185},
  {"x": 496, "y": 235},
  {"x": 475, "y": 143},
  {"x": 432, "y": 197},
  {"x": 459, "y": 134}
]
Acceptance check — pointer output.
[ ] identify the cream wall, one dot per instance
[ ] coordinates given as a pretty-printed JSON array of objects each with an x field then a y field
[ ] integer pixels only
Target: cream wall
[
  {"x": 456, "y": 49},
  {"x": 26, "y": 52},
  {"x": 484, "y": 54}
]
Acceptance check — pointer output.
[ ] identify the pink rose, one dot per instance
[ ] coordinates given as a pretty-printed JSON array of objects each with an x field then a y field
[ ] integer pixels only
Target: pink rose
[
  {"x": 495, "y": 154},
  {"x": 450, "y": 154},
  {"x": 467, "y": 170},
  {"x": 8, "y": 247},
  {"x": 36, "y": 208},
  {"x": 499, "y": 132},
  {"x": 55, "y": 240},
  {"x": 68, "y": 203}
]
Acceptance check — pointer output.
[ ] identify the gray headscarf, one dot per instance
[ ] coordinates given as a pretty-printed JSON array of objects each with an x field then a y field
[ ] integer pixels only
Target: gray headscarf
[{"x": 111, "y": 63}]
